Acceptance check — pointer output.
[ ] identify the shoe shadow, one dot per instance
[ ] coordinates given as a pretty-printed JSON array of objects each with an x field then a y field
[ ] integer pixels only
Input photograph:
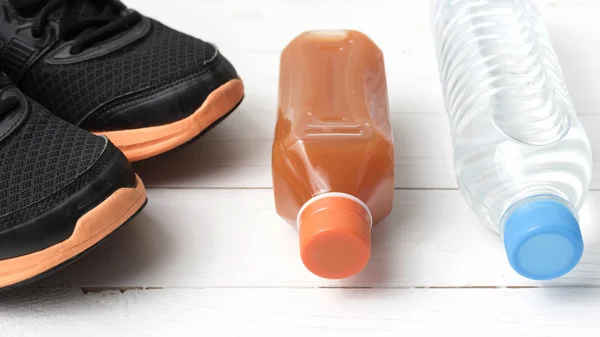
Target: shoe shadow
[
  {"x": 112, "y": 264},
  {"x": 215, "y": 158},
  {"x": 109, "y": 266},
  {"x": 128, "y": 255},
  {"x": 23, "y": 304}
]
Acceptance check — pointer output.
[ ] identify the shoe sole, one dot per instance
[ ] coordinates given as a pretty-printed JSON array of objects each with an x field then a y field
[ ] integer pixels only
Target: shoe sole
[
  {"x": 70, "y": 261},
  {"x": 144, "y": 143},
  {"x": 90, "y": 229}
]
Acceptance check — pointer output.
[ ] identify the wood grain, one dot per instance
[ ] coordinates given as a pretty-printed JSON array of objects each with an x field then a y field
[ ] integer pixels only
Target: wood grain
[
  {"x": 236, "y": 154},
  {"x": 210, "y": 257},
  {"x": 234, "y": 238},
  {"x": 302, "y": 312}
]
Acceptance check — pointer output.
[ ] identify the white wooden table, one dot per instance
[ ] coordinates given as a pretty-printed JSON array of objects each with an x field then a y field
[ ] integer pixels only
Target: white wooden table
[{"x": 210, "y": 257}]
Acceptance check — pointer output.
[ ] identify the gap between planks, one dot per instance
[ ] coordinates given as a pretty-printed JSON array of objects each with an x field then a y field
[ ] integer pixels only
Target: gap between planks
[
  {"x": 271, "y": 188},
  {"x": 95, "y": 290}
]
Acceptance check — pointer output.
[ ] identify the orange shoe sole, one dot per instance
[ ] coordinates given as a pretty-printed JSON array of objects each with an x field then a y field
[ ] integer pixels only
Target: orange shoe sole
[
  {"x": 89, "y": 230},
  {"x": 144, "y": 143}
]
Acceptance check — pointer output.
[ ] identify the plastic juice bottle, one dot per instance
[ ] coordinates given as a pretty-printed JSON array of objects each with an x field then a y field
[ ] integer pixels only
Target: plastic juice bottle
[{"x": 333, "y": 153}]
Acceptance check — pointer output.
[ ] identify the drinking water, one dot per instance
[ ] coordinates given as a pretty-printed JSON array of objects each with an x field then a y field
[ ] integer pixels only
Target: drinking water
[{"x": 522, "y": 158}]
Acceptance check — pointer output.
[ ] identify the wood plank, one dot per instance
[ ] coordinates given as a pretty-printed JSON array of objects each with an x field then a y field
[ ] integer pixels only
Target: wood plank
[
  {"x": 403, "y": 34},
  {"x": 237, "y": 154},
  {"x": 302, "y": 312},
  {"x": 233, "y": 238}
]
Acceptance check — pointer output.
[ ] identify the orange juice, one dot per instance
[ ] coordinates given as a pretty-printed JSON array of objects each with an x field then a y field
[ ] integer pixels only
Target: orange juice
[{"x": 333, "y": 152}]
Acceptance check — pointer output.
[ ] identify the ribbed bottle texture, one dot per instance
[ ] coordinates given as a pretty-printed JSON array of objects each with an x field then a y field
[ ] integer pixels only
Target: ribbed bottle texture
[
  {"x": 516, "y": 135},
  {"x": 514, "y": 128}
]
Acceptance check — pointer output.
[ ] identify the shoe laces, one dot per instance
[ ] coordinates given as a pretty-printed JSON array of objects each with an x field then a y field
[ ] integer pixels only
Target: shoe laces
[
  {"x": 8, "y": 104},
  {"x": 85, "y": 32}
]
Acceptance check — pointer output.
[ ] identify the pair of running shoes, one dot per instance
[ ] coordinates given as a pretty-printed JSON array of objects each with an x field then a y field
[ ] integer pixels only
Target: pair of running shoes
[{"x": 86, "y": 88}]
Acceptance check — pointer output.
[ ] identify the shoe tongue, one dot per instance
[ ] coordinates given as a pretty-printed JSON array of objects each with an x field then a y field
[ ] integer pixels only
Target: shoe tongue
[
  {"x": 72, "y": 10},
  {"x": 28, "y": 8},
  {"x": 80, "y": 9}
]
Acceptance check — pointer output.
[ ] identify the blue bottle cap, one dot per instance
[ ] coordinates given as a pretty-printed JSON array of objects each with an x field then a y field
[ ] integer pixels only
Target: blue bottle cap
[{"x": 542, "y": 239}]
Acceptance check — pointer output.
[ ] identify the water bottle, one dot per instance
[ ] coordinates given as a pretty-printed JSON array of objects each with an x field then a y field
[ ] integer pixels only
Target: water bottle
[{"x": 522, "y": 158}]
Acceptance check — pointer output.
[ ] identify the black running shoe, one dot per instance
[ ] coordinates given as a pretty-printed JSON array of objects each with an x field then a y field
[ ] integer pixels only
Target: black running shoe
[
  {"x": 62, "y": 189},
  {"x": 112, "y": 71}
]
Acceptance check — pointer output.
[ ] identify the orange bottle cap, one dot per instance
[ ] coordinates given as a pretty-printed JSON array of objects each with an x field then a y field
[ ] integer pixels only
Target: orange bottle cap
[{"x": 335, "y": 235}]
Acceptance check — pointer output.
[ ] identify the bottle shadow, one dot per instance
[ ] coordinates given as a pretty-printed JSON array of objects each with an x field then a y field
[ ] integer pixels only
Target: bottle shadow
[
  {"x": 385, "y": 267},
  {"x": 579, "y": 70},
  {"x": 579, "y": 67}
]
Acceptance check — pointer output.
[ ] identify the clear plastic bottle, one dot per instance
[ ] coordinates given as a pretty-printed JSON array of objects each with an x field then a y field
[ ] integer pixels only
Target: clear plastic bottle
[{"x": 522, "y": 158}]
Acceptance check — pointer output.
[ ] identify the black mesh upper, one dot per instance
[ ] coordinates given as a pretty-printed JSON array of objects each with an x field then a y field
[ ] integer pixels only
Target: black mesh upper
[
  {"x": 41, "y": 158},
  {"x": 72, "y": 91}
]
